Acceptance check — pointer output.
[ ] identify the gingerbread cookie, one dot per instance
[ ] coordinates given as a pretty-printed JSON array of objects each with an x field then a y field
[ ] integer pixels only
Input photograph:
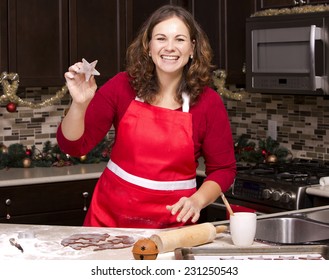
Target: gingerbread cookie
[{"x": 98, "y": 241}]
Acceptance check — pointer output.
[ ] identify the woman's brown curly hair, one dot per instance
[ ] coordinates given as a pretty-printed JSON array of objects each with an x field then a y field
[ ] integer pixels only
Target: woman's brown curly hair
[{"x": 141, "y": 69}]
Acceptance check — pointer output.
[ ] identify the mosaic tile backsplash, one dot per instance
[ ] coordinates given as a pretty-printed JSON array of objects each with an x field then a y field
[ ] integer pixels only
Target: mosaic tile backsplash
[
  {"x": 302, "y": 121},
  {"x": 32, "y": 126}
]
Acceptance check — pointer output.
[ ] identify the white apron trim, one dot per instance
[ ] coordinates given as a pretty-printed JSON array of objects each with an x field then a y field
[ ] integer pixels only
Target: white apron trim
[
  {"x": 151, "y": 184},
  {"x": 186, "y": 103},
  {"x": 185, "y": 106}
]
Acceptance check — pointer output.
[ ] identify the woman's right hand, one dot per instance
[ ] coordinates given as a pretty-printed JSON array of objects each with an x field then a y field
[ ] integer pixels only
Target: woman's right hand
[{"x": 81, "y": 91}]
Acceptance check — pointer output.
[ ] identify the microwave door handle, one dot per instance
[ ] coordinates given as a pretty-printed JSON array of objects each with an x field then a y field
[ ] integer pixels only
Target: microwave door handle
[{"x": 312, "y": 58}]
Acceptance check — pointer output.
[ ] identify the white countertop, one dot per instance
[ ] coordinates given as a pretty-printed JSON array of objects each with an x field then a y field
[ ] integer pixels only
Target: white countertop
[
  {"x": 44, "y": 242},
  {"x": 39, "y": 175},
  {"x": 41, "y": 242}
]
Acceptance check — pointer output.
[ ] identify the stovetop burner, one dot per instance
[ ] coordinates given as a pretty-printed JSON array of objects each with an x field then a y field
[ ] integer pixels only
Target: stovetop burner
[
  {"x": 278, "y": 185},
  {"x": 299, "y": 172}
]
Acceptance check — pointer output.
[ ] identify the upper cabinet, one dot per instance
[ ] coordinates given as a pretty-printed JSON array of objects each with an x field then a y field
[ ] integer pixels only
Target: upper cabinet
[
  {"x": 97, "y": 33},
  {"x": 34, "y": 40},
  {"x": 224, "y": 22},
  {"x": 40, "y": 41}
]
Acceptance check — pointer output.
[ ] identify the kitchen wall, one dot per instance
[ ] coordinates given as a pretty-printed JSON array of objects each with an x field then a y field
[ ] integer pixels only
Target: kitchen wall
[
  {"x": 302, "y": 121},
  {"x": 32, "y": 126}
]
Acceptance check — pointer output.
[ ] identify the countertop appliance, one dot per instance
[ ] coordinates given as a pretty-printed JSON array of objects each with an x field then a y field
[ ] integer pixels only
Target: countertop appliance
[
  {"x": 288, "y": 54},
  {"x": 271, "y": 187}
]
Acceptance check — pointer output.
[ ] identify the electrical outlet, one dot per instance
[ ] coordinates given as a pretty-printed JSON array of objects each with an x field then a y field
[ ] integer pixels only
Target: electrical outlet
[{"x": 272, "y": 130}]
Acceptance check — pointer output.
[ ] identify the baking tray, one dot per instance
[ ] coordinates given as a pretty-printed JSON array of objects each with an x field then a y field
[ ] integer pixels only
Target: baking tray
[{"x": 285, "y": 252}]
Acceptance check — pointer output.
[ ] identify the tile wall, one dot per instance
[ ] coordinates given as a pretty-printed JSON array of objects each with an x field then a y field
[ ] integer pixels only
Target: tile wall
[
  {"x": 32, "y": 126},
  {"x": 302, "y": 121}
]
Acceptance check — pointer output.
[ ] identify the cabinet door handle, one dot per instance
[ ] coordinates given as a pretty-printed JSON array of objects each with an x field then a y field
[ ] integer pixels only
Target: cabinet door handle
[
  {"x": 8, "y": 203},
  {"x": 85, "y": 195}
]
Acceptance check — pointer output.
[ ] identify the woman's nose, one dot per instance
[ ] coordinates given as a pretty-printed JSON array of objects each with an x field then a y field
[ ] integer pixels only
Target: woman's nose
[{"x": 170, "y": 45}]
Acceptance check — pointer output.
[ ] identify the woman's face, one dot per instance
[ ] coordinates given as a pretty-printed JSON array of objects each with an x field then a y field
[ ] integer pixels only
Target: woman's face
[{"x": 171, "y": 46}]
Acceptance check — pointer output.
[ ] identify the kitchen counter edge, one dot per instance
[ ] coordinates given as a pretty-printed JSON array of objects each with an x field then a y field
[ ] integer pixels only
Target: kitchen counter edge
[{"x": 40, "y": 175}]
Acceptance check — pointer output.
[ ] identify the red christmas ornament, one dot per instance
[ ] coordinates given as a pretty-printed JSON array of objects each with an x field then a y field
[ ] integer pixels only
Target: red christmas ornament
[
  {"x": 28, "y": 152},
  {"x": 11, "y": 107}
]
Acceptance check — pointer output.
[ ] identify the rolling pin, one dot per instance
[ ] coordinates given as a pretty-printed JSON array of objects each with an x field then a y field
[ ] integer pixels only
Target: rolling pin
[{"x": 188, "y": 236}]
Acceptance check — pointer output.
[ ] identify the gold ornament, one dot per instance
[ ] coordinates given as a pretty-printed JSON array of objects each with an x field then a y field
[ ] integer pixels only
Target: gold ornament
[
  {"x": 27, "y": 162},
  {"x": 271, "y": 159},
  {"x": 10, "y": 83},
  {"x": 3, "y": 149},
  {"x": 83, "y": 158}
]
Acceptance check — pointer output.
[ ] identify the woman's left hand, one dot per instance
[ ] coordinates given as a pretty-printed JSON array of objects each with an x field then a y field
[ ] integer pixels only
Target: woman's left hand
[{"x": 186, "y": 207}]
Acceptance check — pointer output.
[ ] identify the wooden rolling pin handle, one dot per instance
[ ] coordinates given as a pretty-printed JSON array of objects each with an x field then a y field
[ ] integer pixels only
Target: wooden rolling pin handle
[
  {"x": 220, "y": 229},
  {"x": 188, "y": 236}
]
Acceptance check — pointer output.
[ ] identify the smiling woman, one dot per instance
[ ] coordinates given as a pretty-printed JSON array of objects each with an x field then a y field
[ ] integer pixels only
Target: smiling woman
[
  {"x": 165, "y": 116},
  {"x": 170, "y": 48}
]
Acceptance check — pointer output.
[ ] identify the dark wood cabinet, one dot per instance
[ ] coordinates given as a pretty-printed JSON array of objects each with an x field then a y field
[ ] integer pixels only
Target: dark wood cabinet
[
  {"x": 224, "y": 23},
  {"x": 34, "y": 40},
  {"x": 40, "y": 41},
  {"x": 62, "y": 203},
  {"x": 97, "y": 33},
  {"x": 3, "y": 35}
]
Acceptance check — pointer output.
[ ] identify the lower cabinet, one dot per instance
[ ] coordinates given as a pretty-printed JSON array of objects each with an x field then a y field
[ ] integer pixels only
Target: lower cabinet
[
  {"x": 61, "y": 203},
  {"x": 320, "y": 201},
  {"x": 213, "y": 212}
]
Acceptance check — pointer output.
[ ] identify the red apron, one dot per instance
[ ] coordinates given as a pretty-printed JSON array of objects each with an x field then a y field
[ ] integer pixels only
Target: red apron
[{"x": 152, "y": 165}]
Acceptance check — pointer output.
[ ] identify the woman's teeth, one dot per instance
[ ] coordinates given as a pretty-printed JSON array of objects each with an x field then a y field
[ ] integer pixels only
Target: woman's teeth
[{"x": 169, "y": 57}]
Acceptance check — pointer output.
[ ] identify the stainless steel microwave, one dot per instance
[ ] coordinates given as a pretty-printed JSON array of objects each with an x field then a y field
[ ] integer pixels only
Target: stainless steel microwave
[{"x": 288, "y": 54}]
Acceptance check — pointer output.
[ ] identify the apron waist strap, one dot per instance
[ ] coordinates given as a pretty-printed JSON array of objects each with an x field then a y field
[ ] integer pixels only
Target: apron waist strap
[{"x": 151, "y": 184}]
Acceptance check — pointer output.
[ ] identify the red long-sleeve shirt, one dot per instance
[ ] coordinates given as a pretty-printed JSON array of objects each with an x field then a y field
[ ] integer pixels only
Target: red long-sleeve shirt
[{"x": 211, "y": 127}]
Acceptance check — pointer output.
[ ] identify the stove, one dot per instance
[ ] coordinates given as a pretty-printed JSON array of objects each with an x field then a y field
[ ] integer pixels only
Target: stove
[{"x": 276, "y": 187}]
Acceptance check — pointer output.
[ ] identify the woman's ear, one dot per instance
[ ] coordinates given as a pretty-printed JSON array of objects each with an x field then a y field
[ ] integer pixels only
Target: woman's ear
[{"x": 193, "y": 47}]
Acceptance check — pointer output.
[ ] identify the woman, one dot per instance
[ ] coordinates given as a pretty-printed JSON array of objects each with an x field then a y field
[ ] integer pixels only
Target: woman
[{"x": 165, "y": 117}]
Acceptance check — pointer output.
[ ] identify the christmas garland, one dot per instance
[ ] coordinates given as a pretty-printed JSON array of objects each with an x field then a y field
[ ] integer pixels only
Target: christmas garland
[
  {"x": 16, "y": 155},
  {"x": 10, "y": 84},
  {"x": 268, "y": 151},
  {"x": 219, "y": 80},
  {"x": 294, "y": 10}
]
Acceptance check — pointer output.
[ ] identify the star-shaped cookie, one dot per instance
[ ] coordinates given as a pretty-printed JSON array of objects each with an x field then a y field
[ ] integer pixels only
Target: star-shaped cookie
[{"x": 88, "y": 69}]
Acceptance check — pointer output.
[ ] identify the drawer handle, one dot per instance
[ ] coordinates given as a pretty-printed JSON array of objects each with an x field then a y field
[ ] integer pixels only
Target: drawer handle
[
  {"x": 8, "y": 203},
  {"x": 85, "y": 195}
]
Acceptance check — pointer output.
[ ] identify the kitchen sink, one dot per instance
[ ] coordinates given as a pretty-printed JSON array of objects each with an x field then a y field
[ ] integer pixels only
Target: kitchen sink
[
  {"x": 320, "y": 216},
  {"x": 291, "y": 230}
]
